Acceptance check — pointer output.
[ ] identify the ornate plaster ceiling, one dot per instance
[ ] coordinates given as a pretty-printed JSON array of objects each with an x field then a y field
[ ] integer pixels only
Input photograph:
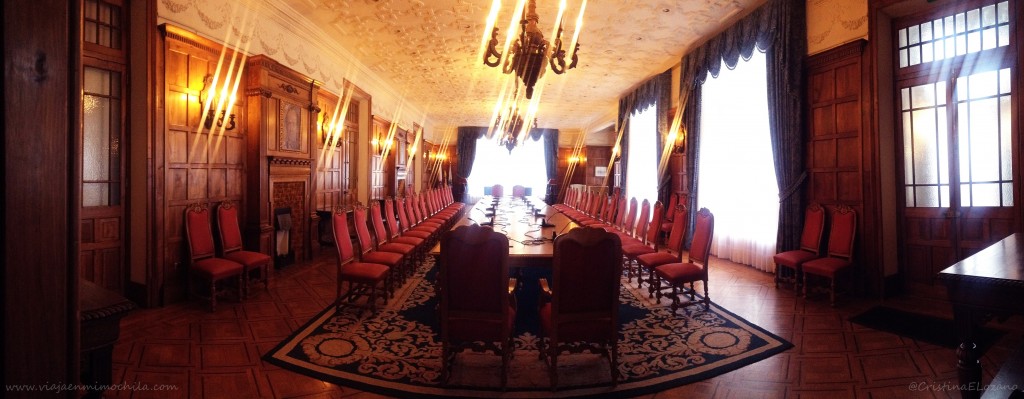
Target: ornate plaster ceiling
[{"x": 429, "y": 50}]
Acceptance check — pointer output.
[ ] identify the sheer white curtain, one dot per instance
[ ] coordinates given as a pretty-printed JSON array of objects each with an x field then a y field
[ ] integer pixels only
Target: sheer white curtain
[
  {"x": 495, "y": 165},
  {"x": 737, "y": 172},
  {"x": 642, "y": 168}
]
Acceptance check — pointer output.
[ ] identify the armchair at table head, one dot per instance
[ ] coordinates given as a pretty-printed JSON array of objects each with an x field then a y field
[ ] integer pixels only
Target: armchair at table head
[
  {"x": 477, "y": 303},
  {"x": 497, "y": 191},
  {"x": 205, "y": 265},
  {"x": 839, "y": 258},
  {"x": 256, "y": 265},
  {"x": 789, "y": 264},
  {"x": 581, "y": 303},
  {"x": 518, "y": 191}
]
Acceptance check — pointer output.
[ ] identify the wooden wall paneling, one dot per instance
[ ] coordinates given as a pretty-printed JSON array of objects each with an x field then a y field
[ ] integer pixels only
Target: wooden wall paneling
[
  {"x": 380, "y": 178},
  {"x": 598, "y": 156},
  {"x": 40, "y": 315},
  {"x": 841, "y": 149},
  {"x": 199, "y": 165}
]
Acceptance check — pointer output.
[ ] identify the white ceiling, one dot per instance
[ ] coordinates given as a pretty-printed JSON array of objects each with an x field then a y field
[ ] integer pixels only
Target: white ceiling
[{"x": 429, "y": 51}]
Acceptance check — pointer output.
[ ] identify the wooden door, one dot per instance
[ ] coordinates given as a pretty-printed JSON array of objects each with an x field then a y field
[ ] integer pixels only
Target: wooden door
[
  {"x": 101, "y": 145},
  {"x": 957, "y": 138}
]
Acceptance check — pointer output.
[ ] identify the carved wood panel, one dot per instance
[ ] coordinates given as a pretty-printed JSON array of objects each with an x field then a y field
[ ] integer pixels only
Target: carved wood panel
[
  {"x": 336, "y": 146},
  {"x": 840, "y": 150},
  {"x": 201, "y": 165}
]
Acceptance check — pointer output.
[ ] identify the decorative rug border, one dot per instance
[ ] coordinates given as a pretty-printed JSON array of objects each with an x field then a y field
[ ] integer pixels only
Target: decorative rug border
[{"x": 278, "y": 356}]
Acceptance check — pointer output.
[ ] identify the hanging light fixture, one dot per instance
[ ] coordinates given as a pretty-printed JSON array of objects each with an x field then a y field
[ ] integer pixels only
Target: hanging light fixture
[
  {"x": 529, "y": 53},
  {"x": 511, "y": 127}
]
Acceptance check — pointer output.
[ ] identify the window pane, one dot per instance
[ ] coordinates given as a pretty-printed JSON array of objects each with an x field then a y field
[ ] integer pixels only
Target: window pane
[
  {"x": 96, "y": 138},
  {"x": 926, "y": 31},
  {"x": 938, "y": 28},
  {"x": 922, "y": 96},
  {"x": 925, "y": 147},
  {"x": 988, "y": 15},
  {"x": 965, "y": 195},
  {"x": 943, "y": 142},
  {"x": 95, "y": 194},
  {"x": 1004, "y": 13},
  {"x": 902, "y": 37},
  {"x": 905, "y": 94},
  {"x": 904, "y": 60},
  {"x": 1007, "y": 194},
  {"x": 910, "y": 196},
  {"x": 1006, "y": 137},
  {"x": 961, "y": 23},
  {"x": 973, "y": 42},
  {"x": 985, "y": 195},
  {"x": 927, "y": 196},
  {"x": 961, "y": 44},
  {"x": 983, "y": 84},
  {"x": 908, "y": 148},
  {"x": 926, "y": 52},
  {"x": 944, "y": 196},
  {"x": 1004, "y": 35},
  {"x": 973, "y": 19},
  {"x": 988, "y": 39},
  {"x": 984, "y": 119},
  {"x": 915, "y": 55},
  {"x": 913, "y": 36}
]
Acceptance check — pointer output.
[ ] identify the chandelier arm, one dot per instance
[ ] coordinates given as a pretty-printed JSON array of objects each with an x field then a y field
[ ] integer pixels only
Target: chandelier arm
[
  {"x": 575, "y": 57},
  {"x": 492, "y": 51}
]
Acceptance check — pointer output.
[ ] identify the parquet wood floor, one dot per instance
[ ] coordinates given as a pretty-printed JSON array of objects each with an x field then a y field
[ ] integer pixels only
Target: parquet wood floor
[{"x": 213, "y": 355}]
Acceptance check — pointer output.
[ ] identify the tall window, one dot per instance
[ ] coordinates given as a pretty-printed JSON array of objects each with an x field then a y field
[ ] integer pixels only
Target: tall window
[
  {"x": 737, "y": 170},
  {"x": 523, "y": 166},
  {"x": 642, "y": 168}
]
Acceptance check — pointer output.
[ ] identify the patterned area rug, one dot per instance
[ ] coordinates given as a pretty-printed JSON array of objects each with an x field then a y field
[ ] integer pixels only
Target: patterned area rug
[{"x": 395, "y": 352}]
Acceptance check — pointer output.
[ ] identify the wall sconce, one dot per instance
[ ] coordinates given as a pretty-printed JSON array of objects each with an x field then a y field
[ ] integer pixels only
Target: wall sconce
[
  {"x": 331, "y": 131},
  {"x": 212, "y": 95},
  {"x": 577, "y": 159}
]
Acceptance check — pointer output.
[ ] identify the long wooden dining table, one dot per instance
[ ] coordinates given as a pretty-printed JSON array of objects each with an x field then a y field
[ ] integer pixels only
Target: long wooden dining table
[{"x": 529, "y": 223}]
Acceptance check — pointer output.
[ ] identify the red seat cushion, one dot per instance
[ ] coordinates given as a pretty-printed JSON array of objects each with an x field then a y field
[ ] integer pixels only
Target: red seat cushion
[
  {"x": 217, "y": 268},
  {"x": 417, "y": 234},
  {"x": 363, "y": 273},
  {"x": 678, "y": 273},
  {"x": 793, "y": 258},
  {"x": 409, "y": 240},
  {"x": 826, "y": 266},
  {"x": 248, "y": 258},
  {"x": 384, "y": 258},
  {"x": 634, "y": 250},
  {"x": 395, "y": 247},
  {"x": 657, "y": 258}
]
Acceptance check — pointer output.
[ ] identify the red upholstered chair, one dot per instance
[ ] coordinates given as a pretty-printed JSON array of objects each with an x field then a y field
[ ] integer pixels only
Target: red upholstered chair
[
  {"x": 670, "y": 214},
  {"x": 789, "y": 264},
  {"x": 363, "y": 279},
  {"x": 840, "y": 250},
  {"x": 256, "y": 265},
  {"x": 408, "y": 251},
  {"x": 580, "y": 306},
  {"x": 205, "y": 265},
  {"x": 673, "y": 249},
  {"x": 631, "y": 250},
  {"x": 677, "y": 275},
  {"x": 396, "y": 230},
  {"x": 497, "y": 191},
  {"x": 368, "y": 254},
  {"x": 476, "y": 295},
  {"x": 518, "y": 191}
]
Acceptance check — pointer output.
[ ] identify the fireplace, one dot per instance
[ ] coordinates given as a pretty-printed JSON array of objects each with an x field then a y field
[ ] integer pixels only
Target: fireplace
[{"x": 288, "y": 207}]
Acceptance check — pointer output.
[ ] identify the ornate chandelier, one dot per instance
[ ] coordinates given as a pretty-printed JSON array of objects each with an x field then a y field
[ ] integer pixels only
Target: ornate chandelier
[
  {"x": 530, "y": 51},
  {"x": 511, "y": 128}
]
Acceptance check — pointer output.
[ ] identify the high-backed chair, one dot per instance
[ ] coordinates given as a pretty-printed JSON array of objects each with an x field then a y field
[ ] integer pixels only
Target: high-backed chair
[
  {"x": 205, "y": 265},
  {"x": 363, "y": 278},
  {"x": 789, "y": 264},
  {"x": 497, "y": 191},
  {"x": 632, "y": 249},
  {"x": 367, "y": 253},
  {"x": 840, "y": 250},
  {"x": 518, "y": 191},
  {"x": 673, "y": 249},
  {"x": 477, "y": 303},
  {"x": 670, "y": 214},
  {"x": 581, "y": 303},
  {"x": 384, "y": 244},
  {"x": 256, "y": 265},
  {"x": 677, "y": 275}
]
